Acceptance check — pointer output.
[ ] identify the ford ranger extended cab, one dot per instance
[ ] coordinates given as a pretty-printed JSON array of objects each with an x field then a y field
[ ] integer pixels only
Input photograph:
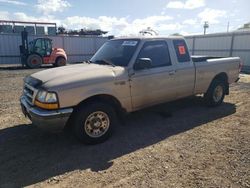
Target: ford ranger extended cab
[{"x": 124, "y": 75}]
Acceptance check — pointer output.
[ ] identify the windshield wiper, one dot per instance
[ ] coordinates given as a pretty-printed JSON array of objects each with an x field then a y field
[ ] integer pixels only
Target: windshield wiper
[{"x": 104, "y": 61}]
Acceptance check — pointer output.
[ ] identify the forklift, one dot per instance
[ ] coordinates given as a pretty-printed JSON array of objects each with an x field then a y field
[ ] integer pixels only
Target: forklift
[{"x": 39, "y": 51}]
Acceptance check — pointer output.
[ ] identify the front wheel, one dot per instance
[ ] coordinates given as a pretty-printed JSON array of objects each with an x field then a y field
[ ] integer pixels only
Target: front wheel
[
  {"x": 34, "y": 61},
  {"x": 61, "y": 61},
  {"x": 93, "y": 123},
  {"x": 216, "y": 93}
]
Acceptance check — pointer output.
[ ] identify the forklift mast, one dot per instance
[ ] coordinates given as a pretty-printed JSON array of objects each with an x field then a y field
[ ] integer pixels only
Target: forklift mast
[{"x": 24, "y": 48}]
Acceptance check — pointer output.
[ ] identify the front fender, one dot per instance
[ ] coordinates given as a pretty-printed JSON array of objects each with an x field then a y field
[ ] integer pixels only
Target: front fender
[
  {"x": 57, "y": 53},
  {"x": 74, "y": 97}
]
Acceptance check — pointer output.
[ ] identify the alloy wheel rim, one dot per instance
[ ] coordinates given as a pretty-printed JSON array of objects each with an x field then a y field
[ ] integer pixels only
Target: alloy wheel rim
[
  {"x": 218, "y": 93},
  {"x": 97, "y": 124}
]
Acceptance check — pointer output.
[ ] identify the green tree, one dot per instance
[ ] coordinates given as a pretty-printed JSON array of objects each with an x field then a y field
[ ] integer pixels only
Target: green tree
[{"x": 61, "y": 30}]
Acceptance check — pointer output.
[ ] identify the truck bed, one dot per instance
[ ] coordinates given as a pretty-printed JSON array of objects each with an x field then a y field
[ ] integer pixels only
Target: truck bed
[
  {"x": 208, "y": 67},
  {"x": 204, "y": 58}
]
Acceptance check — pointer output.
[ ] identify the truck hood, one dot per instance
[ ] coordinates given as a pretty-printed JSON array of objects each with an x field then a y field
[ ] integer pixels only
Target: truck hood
[{"x": 76, "y": 75}]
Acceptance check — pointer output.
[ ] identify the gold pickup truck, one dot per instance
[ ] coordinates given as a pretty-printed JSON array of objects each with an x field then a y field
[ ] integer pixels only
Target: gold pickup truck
[{"x": 125, "y": 75}]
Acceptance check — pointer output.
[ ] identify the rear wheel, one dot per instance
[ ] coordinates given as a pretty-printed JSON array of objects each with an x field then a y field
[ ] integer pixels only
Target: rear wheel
[
  {"x": 93, "y": 123},
  {"x": 60, "y": 61},
  {"x": 34, "y": 61},
  {"x": 216, "y": 93}
]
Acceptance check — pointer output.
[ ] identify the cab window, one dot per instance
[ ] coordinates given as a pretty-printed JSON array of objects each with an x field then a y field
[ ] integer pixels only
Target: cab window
[
  {"x": 181, "y": 51},
  {"x": 40, "y": 47},
  {"x": 157, "y": 51},
  {"x": 48, "y": 47}
]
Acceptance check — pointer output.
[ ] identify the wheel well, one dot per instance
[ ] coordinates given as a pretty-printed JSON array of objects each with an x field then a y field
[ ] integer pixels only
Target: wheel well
[
  {"x": 59, "y": 57},
  {"x": 222, "y": 77},
  {"x": 104, "y": 98},
  {"x": 108, "y": 99},
  {"x": 34, "y": 53}
]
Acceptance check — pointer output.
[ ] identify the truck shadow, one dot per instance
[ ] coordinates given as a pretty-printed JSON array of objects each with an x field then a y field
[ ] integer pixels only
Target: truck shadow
[{"x": 29, "y": 155}]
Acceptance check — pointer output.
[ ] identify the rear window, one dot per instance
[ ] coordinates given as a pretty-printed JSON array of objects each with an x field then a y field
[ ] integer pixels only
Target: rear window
[{"x": 181, "y": 51}]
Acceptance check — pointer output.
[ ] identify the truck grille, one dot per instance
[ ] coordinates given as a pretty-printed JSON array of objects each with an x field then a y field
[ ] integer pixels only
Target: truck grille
[{"x": 29, "y": 93}]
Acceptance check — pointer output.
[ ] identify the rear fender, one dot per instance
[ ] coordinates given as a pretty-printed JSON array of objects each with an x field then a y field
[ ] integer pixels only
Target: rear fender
[{"x": 224, "y": 78}]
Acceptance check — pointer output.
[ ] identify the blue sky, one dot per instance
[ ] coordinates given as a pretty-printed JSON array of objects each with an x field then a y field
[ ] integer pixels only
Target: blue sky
[{"x": 130, "y": 16}]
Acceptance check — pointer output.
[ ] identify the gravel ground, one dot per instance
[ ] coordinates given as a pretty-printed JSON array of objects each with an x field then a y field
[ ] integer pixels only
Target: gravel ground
[{"x": 178, "y": 144}]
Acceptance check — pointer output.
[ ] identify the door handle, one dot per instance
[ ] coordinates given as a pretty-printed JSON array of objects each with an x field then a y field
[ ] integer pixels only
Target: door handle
[{"x": 171, "y": 73}]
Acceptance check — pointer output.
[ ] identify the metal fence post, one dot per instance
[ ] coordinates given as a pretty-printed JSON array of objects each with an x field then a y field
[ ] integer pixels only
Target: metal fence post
[
  {"x": 95, "y": 45},
  {"x": 193, "y": 50},
  {"x": 232, "y": 45},
  {"x": 63, "y": 42}
]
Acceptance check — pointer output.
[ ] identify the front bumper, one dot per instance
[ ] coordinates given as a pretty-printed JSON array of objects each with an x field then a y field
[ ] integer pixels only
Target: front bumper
[{"x": 52, "y": 120}]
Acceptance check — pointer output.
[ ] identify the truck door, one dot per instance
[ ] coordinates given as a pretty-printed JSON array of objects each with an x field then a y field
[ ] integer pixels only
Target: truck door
[
  {"x": 156, "y": 83},
  {"x": 185, "y": 71}
]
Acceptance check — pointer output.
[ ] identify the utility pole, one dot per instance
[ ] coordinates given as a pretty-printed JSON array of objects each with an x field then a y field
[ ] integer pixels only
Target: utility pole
[{"x": 205, "y": 26}]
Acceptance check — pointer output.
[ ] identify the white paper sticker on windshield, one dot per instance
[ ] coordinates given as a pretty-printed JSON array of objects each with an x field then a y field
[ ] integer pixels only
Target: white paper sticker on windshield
[{"x": 129, "y": 43}]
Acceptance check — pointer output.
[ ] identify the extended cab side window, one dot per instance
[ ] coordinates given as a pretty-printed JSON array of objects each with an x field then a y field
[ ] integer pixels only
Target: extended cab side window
[
  {"x": 181, "y": 51},
  {"x": 157, "y": 51}
]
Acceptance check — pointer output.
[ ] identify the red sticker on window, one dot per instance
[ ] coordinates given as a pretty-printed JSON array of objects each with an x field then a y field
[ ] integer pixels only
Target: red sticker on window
[{"x": 182, "y": 50}]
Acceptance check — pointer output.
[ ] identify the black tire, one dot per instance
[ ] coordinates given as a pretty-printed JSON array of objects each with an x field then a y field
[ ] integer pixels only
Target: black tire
[
  {"x": 60, "y": 61},
  {"x": 34, "y": 61},
  {"x": 216, "y": 93},
  {"x": 83, "y": 124}
]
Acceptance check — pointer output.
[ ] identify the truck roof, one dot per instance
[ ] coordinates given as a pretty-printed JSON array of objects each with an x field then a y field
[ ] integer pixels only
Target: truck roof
[{"x": 150, "y": 37}]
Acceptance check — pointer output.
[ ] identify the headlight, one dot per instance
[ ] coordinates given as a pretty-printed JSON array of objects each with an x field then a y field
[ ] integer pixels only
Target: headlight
[
  {"x": 47, "y": 100},
  {"x": 51, "y": 98},
  {"x": 41, "y": 96}
]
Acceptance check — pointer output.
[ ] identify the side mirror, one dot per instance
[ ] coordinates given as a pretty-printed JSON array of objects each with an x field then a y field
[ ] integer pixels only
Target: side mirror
[{"x": 143, "y": 63}]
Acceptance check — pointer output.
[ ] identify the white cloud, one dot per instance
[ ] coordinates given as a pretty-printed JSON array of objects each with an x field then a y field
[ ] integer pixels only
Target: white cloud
[
  {"x": 115, "y": 26},
  {"x": 169, "y": 27},
  {"x": 118, "y": 26},
  {"x": 175, "y": 4},
  {"x": 151, "y": 20},
  {"x": 184, "y": 33},
  {"x": 211, "y": 15},
  {"x": 190, "y": 22},
  {"x": 4, "y": 15},
  {"x": 189, "y": 4},
  {"x": 13, "y": 2},
  {"x": 157, "y": 23},
  {"x": 20, "y": 16},
  {"x": 105, "y": 23},
  {"x": 52, "y": 6}
]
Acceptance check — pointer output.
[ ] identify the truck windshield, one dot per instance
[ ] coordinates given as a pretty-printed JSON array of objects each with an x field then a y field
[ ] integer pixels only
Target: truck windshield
[{"x": 116, "y": 52}]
